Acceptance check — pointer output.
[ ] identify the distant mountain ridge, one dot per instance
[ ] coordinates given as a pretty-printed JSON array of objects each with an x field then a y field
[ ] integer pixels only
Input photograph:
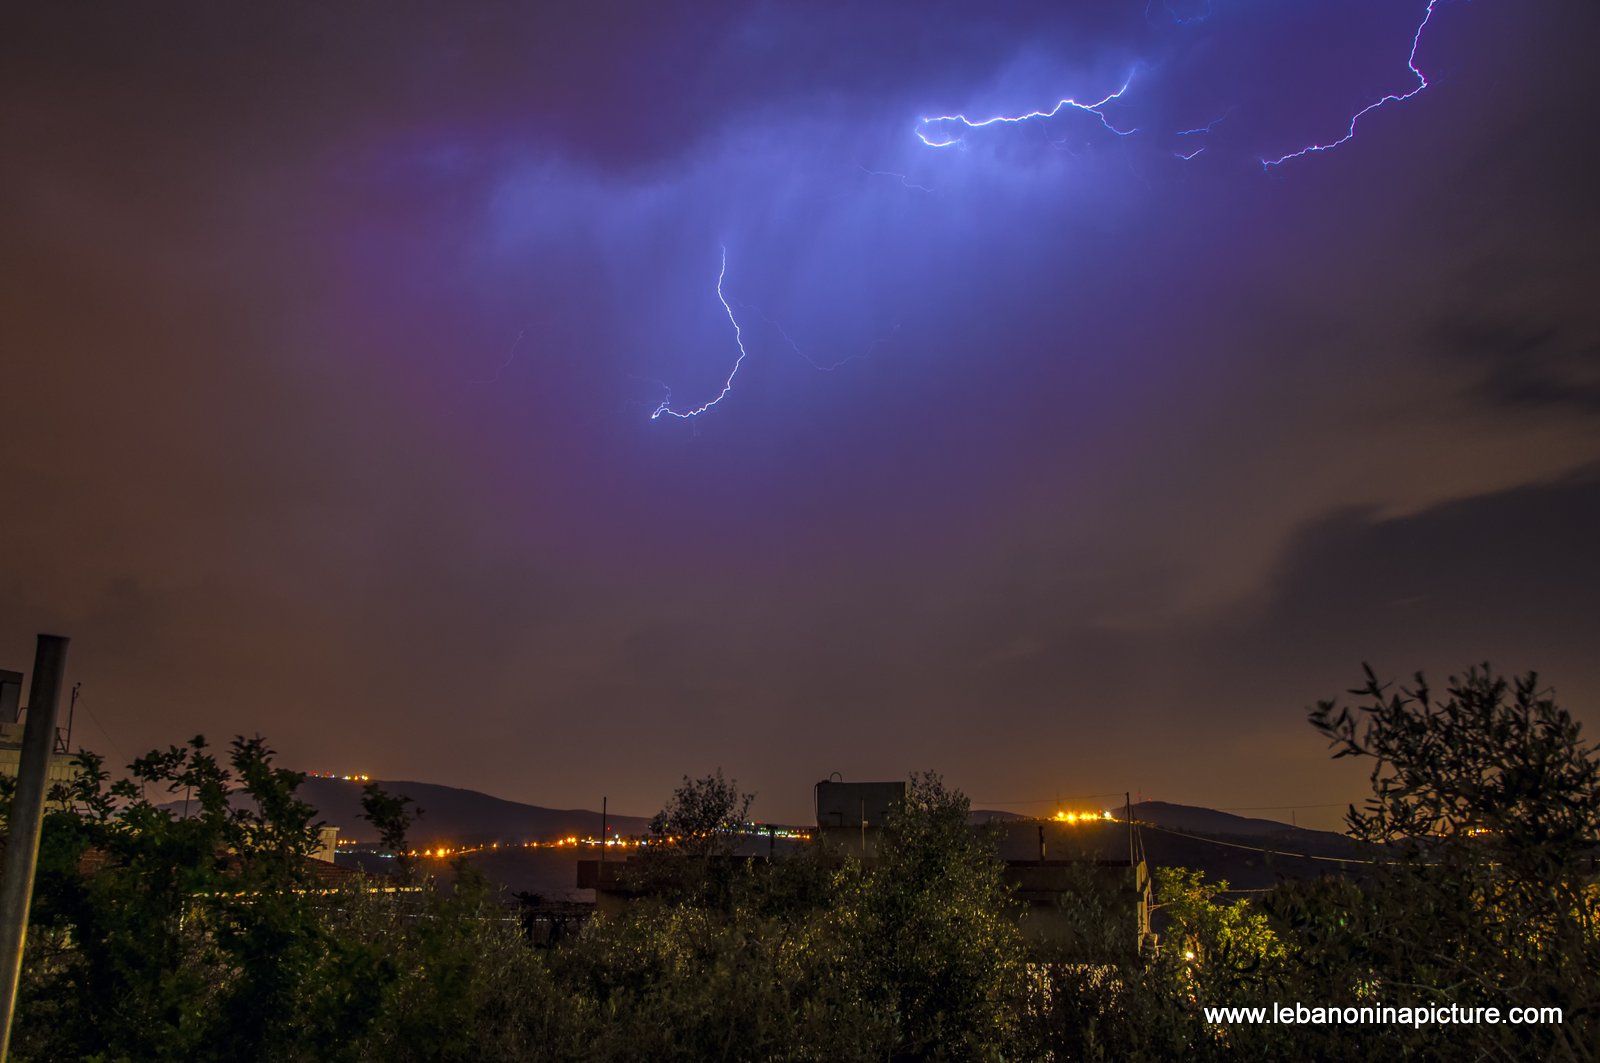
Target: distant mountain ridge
[
  {"x": 1247, "y": 853},
  {"x": 1193, "y": 819},
  {"x": 453, "y": 816}
]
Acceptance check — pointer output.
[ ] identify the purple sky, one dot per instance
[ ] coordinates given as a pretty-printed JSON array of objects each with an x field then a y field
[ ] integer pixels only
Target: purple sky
[{"x": 333, "y": 334}]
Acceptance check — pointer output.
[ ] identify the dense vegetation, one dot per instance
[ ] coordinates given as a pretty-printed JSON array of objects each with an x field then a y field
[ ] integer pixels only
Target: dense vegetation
[{"x": 209, "y": 936}]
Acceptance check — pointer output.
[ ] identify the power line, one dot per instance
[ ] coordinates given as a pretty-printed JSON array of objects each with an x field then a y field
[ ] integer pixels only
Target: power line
[
  {"x": 1118, "y": 793},
  {"x": 1278, "y": 808},
  {"x": 110, "y": 742},
  {"x": 1258, "y": 849},
  {"x": 1047, "y": 800}
]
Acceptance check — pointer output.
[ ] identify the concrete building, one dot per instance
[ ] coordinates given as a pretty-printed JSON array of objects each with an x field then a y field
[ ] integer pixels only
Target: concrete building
[
  {"x": 327, "y": 844},
  {"x": 851, "y": 815},
  {"x": 12, "y": 725},
  {"x": 1084, "y": 887}
]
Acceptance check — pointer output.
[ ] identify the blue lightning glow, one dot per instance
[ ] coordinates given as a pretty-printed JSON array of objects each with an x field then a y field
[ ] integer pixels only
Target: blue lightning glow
[
  {"x": 1208, "y": 127},
  {"x": 979, "y": 123},
  {"x": 905, "y": 182},
  {"x": 1422, "y": 83},
  {"x": 828, "y": 367},
  {"x": 665, "y": 406},
  {"x": 1181, "y": 20},
  {"x": 727, "y": 384},
  {"x": 944, "y": 131},
  {"x": 505, "y": 364}
]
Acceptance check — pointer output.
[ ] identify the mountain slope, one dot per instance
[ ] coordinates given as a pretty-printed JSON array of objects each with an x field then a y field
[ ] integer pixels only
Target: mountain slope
[
  {"x": 1195, "y": 820},
  {"x": 453, "y": 816}
]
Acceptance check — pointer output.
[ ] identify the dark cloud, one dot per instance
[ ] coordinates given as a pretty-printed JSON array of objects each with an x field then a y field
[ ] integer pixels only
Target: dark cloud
[
  {"x": 1502, "y": 576},
  {"x": 1529, "y": 364}
]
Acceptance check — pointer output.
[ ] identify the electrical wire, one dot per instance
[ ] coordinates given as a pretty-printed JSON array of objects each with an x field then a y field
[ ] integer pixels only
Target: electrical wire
[
  {"x": 1258, "y": 849},
  {"x": 1048, "y": 800}
]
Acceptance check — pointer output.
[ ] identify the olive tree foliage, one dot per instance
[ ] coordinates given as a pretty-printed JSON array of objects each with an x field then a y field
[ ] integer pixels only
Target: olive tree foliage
[
  {"x": 202, "y": 931},
  {"x": 818, "y": 956},
  {"x": 392, "y": 815},
  {"x": 1215, "y": 951},
  {"x": 1485, "y": 810},
  {"x": 689, "y": 855},
  {"x": 1482, "y": 827},
  {"x": 1206, "y": 932},
  {"x": 704, "y": 817},
  {"x": 177, "y": 915},
  {"x": 1494, "y": 760},
  {"x": 932, "y": 928},
  {"x": 806, "y": 958},
  {"x": 162, "y": 933},
  {"x": 460, "y": 984}
]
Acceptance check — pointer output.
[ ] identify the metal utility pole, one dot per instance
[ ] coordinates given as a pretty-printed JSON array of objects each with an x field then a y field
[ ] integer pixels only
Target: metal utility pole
[
  {"x": 604, "y": 809},
  {"x": 1133, "y": 858},
  {"x": 72, "y": 712},
  {"x": 27, "y": 816}
]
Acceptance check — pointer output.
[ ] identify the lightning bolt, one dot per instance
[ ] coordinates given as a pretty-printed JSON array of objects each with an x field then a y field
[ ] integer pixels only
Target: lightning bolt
[
  {"x": 828, "y": 367},
  {"x": 978, "y": 123},
  {"x": 1422, "y": 83},
  {"x": 1181, "y": 20},
  {"x": 1208, "y": 127},
  {"x": 905, "y": 182},
  {"x": 928, "y": 129},
  {"x": 932, "y": 131},
  {"x": 504, "y": 365},
  {"x": 727, "y": 383}
]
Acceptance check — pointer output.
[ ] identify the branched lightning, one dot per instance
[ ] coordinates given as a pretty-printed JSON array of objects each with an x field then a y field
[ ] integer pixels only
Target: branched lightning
[
  {"x": 1422, "y": 83},
  {"x": 978, "y": 123},
  {"x": 505, "y": 364},
  {"x": 665, "y": 406},
  {"x": 827, "y": 367},
  {"x": 931, "y": 133},
  {"x": 1208, "y": 127},
  {"x": 727, "y": 384},
  {"x": 1181, "y": 20},
  {"x": 905, "y": 182},
  {"x": 944, "y": 131}
]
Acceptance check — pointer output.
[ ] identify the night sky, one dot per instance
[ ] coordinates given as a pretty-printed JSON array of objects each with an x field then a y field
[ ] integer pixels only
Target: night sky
[{"x": 1056, "y": 462}]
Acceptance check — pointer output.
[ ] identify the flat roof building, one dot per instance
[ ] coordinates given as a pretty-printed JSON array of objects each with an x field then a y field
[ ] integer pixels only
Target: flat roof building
[
  {"x": 851, "y": 815},
  {"x": 61, "y": 770}
]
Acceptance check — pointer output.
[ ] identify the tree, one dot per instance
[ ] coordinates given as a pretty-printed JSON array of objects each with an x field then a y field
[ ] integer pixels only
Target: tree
[
  {"x": 929, "y": 934},
  {"x": 1485, "y": 808},
  {"x": 392, "y": 815},
  {"x": 1230, "y": 938},
  {"x": 689, "y": 855},
  {"x": 1496, "y": 761},
  {"x": 190, "y": 934},
  {"x": 703, "y": 817},
  {"x": 916, "y": 956}
]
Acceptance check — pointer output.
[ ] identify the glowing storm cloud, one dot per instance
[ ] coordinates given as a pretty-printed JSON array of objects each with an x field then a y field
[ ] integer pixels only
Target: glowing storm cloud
[{"x": 944, "y": 131}]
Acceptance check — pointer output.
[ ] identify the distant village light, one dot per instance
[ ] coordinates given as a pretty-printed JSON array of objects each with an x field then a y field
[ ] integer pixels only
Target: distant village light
[{"x": 1064, "y": 816}]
